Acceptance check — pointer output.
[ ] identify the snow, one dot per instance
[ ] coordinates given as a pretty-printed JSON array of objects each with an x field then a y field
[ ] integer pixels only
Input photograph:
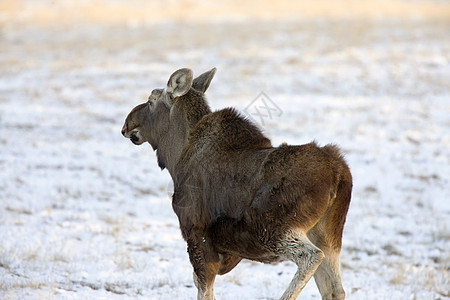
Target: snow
[{"x": 85, "y": 214}]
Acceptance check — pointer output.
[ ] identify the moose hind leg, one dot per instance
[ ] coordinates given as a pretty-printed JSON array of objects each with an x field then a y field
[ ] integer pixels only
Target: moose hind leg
[
  {"x": 328, "y": 274},
  {"x": 297, "y": 248},
  {"x": 328, "y": 277}
]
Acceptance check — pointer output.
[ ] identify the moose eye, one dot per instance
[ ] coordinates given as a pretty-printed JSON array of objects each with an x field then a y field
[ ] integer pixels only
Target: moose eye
[{"x": 156, "y": 93}]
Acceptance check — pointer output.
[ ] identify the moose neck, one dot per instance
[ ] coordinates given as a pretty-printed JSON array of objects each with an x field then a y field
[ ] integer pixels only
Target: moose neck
[
  {"x": 185, "y": 113},
  {"x": 169, "y": 150}
]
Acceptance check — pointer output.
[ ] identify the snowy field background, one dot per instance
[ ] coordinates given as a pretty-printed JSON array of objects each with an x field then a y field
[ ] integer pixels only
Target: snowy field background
[{"x": 84, "y": 214}]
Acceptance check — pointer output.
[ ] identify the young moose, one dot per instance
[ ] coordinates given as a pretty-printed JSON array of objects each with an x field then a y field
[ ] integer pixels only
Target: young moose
[{"x": 238, "y": 197}]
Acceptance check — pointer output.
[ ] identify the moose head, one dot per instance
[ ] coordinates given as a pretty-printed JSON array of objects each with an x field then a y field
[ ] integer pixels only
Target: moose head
[{"x": 164, "y": 118}]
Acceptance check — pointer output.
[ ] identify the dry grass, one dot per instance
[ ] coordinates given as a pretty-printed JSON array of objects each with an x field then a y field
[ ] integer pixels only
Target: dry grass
[
  {"x": 400, "y": 275},
  {"x": 123, "y": 259},
  {"x": 423, "y": 277}
]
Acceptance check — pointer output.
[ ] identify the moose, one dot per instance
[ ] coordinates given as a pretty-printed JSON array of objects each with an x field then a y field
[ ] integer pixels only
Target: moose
[{"x": 238, "y": 197}]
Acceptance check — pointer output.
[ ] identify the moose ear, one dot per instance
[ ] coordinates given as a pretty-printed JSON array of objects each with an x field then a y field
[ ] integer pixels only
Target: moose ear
[
  {"x": 201, "y": 83},
  {"x": 179, "y": 83}
]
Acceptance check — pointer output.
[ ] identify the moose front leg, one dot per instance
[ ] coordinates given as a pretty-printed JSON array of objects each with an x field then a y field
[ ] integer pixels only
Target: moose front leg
[{"x": 206, "y": 264}]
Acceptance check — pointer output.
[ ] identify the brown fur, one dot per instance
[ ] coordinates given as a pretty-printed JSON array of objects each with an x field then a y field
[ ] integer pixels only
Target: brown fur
[{"x": 237, "y": 196}]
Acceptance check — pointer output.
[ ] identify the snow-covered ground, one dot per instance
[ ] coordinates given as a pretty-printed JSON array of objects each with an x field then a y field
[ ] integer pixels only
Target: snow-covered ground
[{"x": 85, "y": 214}]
